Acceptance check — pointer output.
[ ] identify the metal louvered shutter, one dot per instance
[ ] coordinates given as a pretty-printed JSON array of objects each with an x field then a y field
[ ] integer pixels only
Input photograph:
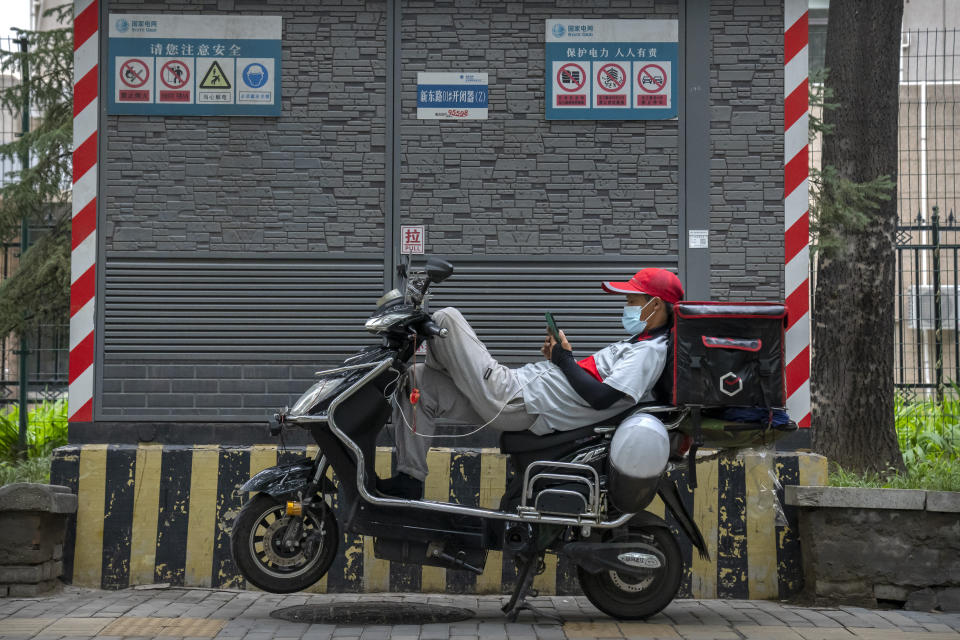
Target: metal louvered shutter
[
  {"x": 504, "y": 300},
  {"x": 236, "y": 309}
]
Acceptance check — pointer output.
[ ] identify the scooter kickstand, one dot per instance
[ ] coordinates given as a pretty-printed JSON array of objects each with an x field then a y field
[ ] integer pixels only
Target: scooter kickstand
[{"x": 518, "y": 600}]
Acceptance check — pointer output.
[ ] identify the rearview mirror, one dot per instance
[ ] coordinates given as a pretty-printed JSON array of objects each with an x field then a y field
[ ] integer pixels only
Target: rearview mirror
[{"x": 438, "y": 270}]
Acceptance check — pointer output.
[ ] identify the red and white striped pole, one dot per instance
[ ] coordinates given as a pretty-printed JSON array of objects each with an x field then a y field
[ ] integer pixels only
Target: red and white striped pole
[
  {"x": 83, "y": 262},
  {"x": 796, "y": 209}
]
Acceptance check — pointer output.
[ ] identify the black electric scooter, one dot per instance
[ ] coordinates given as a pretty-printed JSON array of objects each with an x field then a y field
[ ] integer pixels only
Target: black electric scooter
[{"x": 570, "y": 495}]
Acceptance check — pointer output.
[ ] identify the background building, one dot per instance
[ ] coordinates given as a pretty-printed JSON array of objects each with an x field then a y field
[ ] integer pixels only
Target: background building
[{"x": 239, "y": 254}]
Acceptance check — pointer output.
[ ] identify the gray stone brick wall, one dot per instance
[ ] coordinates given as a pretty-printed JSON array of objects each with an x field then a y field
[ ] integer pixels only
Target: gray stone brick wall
[
  {"x": 517, "y": 183},
  {"x": 203, "y": 390},
  {"x": 746, "y": 177},
  {"x": 303, "y": 185},
  {"x": 307, "y": 182}
]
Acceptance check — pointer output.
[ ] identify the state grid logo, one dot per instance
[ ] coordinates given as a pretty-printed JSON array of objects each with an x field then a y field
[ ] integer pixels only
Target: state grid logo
[
  {"x": 558, "y": 30},
  {"x": 122, "y": 26}
]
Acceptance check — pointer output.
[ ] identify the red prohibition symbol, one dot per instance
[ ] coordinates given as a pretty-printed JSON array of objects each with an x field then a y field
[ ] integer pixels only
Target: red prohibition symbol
[
  {"x": 611, "y": 77},
  {"x": 652, "y": 81},
  {"x": 174, "y": 74},
  {"x": 134, "y": 73},
  {"x": 571, "y": 77}
]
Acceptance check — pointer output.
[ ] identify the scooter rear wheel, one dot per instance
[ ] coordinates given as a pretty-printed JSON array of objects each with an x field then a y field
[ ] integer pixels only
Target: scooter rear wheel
[
  {"x": 257, "y": 545},
  {"x": 628, "y": 597}
]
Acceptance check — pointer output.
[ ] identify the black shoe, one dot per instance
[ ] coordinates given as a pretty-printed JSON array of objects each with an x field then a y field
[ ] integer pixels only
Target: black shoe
[{"x": 401, "y": 486}]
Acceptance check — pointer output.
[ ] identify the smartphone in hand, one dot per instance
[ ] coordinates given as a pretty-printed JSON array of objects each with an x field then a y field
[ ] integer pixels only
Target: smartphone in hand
[{"x": 552, "y": 326}]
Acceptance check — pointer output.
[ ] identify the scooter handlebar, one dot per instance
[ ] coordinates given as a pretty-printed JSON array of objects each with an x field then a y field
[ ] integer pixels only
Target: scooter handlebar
[{"x": 430, "y": 328}]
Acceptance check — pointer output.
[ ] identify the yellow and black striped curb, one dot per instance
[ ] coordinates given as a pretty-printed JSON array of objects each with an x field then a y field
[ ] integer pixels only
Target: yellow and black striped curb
[{"x": 162, "y": 514}]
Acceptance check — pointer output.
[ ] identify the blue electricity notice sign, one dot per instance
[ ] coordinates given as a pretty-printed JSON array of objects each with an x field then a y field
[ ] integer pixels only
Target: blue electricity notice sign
[
  {"x": 452, "y": 96},
  {"x": 194, "y": 65},
  {"x": 611, "y": 69}
]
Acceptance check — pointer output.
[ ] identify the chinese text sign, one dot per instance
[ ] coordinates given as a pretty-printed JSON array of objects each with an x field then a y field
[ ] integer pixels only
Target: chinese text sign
[
  {"x": 452, "y": 96},
  {"x": 611, "y": 69},
  {"x": 204, "y": 65}
]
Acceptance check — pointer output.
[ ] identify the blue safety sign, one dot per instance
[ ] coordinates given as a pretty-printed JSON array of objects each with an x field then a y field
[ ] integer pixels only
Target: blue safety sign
[
  {"x": 611, "y": 69},
  {"x": 255, "y": 75},
  {"x": 205, "y": 65}
]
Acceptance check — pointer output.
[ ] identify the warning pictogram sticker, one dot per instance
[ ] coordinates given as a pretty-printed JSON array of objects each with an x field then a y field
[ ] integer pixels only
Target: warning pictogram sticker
[
  {"x": 611, "y": 88},
  {"x": 255, "y": 80},
  {"x": 653, "y": 85},
  {"x": 571, "y": 77},
  {"x": 611, "y": 77},
  {"x": 570, "y": 86},
  {"x": 134, "y": 73},
  {"x": 174, "y": 75},
  {"x": 215, "y": 78},
  {"x": 133, "y": 81},
  {"x": 652, "y": 78}
]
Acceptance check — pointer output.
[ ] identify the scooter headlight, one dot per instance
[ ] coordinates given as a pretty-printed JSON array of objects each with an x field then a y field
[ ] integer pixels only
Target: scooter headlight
[
  {"x": 381, "y": 322},
  {"x": 319, "y": 392}
]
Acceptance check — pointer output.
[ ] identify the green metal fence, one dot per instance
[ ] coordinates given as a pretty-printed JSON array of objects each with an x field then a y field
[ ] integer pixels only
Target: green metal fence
[{"x": 38, "y": 372}]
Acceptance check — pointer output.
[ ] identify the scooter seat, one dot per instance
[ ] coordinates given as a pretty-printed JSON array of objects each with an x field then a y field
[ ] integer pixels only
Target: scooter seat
[{"x": 523, "y": 441}]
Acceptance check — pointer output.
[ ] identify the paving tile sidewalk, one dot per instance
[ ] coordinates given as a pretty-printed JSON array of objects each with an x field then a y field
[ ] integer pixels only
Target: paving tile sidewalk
[{"x": 81, "y": 614}]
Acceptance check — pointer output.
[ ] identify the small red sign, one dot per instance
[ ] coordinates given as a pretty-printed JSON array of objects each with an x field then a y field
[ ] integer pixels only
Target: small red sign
[
  {"x": 412, "y": 239},
  {"x": 579, "y": 100},
  {"x": 133, "y": 95},
  {"x": 174, "y": 96},
  {"x": 615, "y": 100},
  {"x": 652, "y": 101}
]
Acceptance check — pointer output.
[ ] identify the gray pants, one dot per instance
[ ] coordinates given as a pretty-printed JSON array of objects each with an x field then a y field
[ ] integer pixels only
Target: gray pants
[{"x": 455, "y": 385}]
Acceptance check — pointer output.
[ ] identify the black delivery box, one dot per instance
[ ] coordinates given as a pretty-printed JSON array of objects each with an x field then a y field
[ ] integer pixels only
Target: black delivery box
[{"x": 728, "y": 354}]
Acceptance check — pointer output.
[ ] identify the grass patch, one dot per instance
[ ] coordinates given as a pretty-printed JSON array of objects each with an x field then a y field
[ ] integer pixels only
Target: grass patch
[
  {"x": 30, "y": 470},
  {"x": 935, "y": 476},
  {"x": 929, "y": 437}
]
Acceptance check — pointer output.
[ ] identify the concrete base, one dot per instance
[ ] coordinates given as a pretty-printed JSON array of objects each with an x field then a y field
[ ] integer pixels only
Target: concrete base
[
  {"x": 46, "y": 587},
  {"x": 163, "y": 514},
  {"x": 33, "y": 522},
  {"x": 865, "y": 545}
]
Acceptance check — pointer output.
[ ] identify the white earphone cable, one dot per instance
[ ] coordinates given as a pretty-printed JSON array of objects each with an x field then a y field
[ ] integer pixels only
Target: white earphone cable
[{"x": 462, "y": 435}]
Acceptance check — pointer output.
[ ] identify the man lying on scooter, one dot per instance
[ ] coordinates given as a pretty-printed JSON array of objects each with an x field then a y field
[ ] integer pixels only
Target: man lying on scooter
[{"x": 462, "y": 382}]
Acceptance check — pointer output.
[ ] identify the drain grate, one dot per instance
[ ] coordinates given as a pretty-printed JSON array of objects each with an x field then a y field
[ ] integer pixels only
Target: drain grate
[{"x": 372, "y": 613}]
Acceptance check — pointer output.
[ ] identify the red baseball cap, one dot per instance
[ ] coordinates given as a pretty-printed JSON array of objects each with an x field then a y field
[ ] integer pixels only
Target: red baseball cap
[{"x": 652, "y": 282}]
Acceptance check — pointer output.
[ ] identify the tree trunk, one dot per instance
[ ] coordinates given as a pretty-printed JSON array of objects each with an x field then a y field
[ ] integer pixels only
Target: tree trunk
[{"x": 853, "y": 351}]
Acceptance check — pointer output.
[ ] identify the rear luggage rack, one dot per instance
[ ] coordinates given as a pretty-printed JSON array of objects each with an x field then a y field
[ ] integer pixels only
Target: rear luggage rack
[{"x": 579, "y": 474}]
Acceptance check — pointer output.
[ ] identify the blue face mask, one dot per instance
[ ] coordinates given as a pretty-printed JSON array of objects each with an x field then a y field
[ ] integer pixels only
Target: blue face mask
[{"x": 632, "y": 319}]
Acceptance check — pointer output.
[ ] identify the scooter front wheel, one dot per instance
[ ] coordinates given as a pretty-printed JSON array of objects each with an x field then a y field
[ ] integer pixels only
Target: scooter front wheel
[
  {"x": 631, "y": 598},
  {"x": 259, "y": 546}
]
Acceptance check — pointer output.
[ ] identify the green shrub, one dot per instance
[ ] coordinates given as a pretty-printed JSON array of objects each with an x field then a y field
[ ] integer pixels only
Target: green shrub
[{"x": 46, "y": 430}]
